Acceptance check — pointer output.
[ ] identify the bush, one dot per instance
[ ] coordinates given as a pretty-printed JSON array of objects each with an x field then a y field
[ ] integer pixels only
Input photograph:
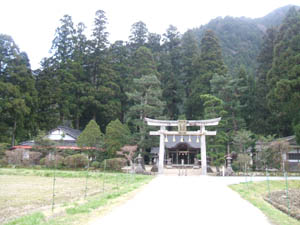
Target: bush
[
  {"x": 42, "y": 161},
  {"x": 76, "y": 161},
  {"x": 115, "y": 164},
  {"x": 95, "y": 164},
  {"x": 23, "y": 157},
  {"x": 52, "y": 161},
  {"x": 236, "y": 166},
  {"x": 3, "y": 162}
]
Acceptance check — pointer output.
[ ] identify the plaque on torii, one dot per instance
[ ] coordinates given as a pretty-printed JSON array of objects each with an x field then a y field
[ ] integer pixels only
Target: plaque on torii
[{"x": 182, "y": 130}]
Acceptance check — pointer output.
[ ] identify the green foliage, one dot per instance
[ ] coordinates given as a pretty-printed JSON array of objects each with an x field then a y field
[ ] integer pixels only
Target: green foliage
[
  {"x": 116, "y": 136},
  {"x": 243, "y": 159},
  {"x": 170, "y": 70},
  {"x": 242, "y": 140},
  {"x": 297, "y": 133},
  {"x": 145, "y": 96},
  {"x": 283, "y": 77},
  {"x": 18, "y": 96},
  {"x": 208, "y": 63},
  {"x": 42, "y": 161},
  {"x": 35, "y": 218},
  {"x": 3, "y": 148},
  {"x": 174, "y": 75},
  {"x": 91, "y": 136},
  {"x": 53, "y": 161},
  {"x": 214, "y": 108},
  {"x": 95, "y": 164},
  {"x": 76, "y": 161},
  {"x": 138, "y": 36},
  {"x": 114, "y": 164}
]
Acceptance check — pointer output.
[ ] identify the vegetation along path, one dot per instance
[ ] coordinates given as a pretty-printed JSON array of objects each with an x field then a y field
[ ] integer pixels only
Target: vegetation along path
[{"x": 186, "y": 200}]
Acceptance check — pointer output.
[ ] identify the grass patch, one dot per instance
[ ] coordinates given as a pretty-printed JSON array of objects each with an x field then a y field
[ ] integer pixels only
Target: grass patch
[
  {"x": 254, "y": 192},
  {"x": 32, "y": 219}
]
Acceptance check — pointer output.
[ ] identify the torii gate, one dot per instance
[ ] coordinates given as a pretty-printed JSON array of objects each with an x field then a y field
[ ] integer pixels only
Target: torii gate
[{"x": 182, "y": 124}]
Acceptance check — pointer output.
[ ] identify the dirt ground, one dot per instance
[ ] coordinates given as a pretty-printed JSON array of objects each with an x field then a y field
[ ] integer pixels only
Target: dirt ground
[
  {"x": 288, "y": 203},
  {"x": 20, "y": 195}
]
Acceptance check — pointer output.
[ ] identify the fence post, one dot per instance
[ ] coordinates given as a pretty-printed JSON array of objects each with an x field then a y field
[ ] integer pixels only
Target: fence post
[
  {"x": 103, "y": 183},
  {"x": 87, "y": 176},
  {"x": 287, "y": 192},
  {"x": 54, "y": 179},
  {"x": 246, "y": 181},
  {"x": 268, "y": 183},
  {"x": 117, "y": 185}
]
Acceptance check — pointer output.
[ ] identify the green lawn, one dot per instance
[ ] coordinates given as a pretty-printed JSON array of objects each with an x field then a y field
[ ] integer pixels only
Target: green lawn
[
  {"x": 26, "y": 194},
  {"x": 254, "y": 192}
]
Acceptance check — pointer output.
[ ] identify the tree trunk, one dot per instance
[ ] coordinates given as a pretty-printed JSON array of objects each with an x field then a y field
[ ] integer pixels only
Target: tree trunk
[
  {"x": 14, "y": 132},
  {"x": 77, "y": 121},
  {"x": 235, "y": 126}
]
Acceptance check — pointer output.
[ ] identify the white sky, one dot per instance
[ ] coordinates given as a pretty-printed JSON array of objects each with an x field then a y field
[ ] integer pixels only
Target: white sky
[{"x": 32, "y": 23}]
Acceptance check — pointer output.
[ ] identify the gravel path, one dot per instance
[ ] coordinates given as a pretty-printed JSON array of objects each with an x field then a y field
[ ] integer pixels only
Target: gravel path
[{"x": 173, "y": 200}]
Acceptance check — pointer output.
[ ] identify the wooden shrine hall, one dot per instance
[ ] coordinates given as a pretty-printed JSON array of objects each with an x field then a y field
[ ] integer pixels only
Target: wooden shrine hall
[
  {"x": 178, "y": 148},
  {"x": 185, "y": 142}
]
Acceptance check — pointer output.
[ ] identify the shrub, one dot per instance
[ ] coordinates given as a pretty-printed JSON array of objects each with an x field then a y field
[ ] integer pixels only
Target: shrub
[
  {"x": 42, "y": 161},
  {"x": 22, "y": 157},
  {"x": 95, "y": 164},
  {"x": 34, "y": 158},
  {"x": 3, "y": 162},
  {"x": 115, "y": 164},
  {"x": 76, "y": 161},
  {"x": 52, "y": 160}
]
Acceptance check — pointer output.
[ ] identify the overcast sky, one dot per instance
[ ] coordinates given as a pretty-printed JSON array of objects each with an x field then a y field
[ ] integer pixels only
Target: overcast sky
[{"x": 32, "y": 23}]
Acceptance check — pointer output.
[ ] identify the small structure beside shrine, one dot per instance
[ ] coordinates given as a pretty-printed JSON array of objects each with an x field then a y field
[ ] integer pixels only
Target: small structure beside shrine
[{"x": 183, "y": 136}]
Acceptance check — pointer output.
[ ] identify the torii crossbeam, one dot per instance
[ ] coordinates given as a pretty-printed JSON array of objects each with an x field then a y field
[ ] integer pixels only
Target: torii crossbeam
[{"x": 182, "y": 124}]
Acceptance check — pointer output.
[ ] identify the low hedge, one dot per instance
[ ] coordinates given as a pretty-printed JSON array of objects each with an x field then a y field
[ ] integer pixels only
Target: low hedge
[
  {"x": 76, "y": 161},
  {"x": 114, "y": 164}
]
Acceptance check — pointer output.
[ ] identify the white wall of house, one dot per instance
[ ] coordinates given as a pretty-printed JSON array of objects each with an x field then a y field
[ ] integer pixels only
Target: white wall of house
[
  {"x": 296, "y": 153},
  {"x": 58, "y": 134}
]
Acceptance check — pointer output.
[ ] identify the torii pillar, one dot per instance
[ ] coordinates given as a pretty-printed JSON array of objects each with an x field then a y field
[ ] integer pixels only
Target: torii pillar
[
  {"x": 161, "y": 150},
  {"x": 182, "y": 124},
  {"x": 203, "y": 151}
]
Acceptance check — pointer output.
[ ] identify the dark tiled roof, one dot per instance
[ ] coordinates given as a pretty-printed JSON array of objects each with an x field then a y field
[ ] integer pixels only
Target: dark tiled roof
[
  {"x": 70, "y": 131},
  {"x": 28, "y": 143},
  {"x": 173, "y": 141}
]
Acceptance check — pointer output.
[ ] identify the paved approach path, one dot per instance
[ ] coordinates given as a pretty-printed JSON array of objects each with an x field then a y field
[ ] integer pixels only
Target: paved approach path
[{"x": 173, "y": 200}]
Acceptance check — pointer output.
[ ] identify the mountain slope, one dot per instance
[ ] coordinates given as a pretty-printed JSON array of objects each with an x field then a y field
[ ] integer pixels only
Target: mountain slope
[{"x": 241, "y": 38}]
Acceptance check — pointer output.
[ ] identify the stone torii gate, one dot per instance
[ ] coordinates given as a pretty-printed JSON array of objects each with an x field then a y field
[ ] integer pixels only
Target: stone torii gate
[{"x": 182, "y": 124}]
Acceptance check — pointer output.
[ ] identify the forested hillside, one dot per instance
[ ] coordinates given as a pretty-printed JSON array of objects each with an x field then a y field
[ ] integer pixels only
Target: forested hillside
[
  {"x": 246, "y": 71},
  {"x": 241, "y": 38}
]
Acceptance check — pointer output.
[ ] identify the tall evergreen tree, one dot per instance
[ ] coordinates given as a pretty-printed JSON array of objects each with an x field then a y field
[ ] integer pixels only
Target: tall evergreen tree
[
  {"x": 146, "y": 97},
  {"x": 18, "y": 96},
  {"x": 263, "y": 119},
  {"x": 209, "y": 62},
  {"x": 170, "y": 69},
  {"x": 283, "y": 77},
  {"x": 116, "y": 136},
  {"x": 56, "y": 78},
  {"x": 189, "y": 52},
  {"x": 138, "y": 36},
  {"x": 101, "y": 102},
  {"x": 229, "y": 89}
]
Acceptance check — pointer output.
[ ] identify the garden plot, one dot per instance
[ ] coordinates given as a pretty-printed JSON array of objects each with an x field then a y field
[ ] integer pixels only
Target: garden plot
[{"x": 20, "y": 195}]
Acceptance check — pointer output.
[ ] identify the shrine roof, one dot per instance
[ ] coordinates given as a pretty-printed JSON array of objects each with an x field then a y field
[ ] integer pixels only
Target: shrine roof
[{"x": 167, "y": 123}]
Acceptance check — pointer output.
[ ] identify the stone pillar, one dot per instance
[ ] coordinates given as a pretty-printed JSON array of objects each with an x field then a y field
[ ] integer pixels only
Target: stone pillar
[
  {"x": 203, "y": 152},
  {"x": 161, "y": 151}
]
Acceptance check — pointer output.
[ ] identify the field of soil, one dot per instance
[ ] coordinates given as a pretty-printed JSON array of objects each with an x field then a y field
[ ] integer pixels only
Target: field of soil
[
  {"x": 20, "y": 195},
  {"x": 286, "y": 202}
]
